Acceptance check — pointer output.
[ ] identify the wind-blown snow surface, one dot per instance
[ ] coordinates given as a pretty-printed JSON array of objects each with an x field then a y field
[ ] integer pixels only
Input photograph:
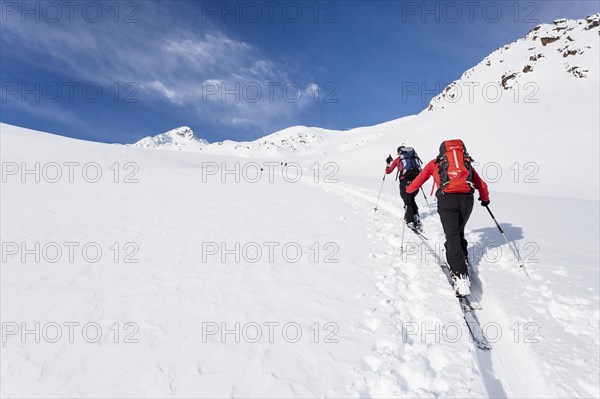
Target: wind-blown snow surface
[
  {"x": 384, "y": 308},
  {"x": 374, "y": 297}
]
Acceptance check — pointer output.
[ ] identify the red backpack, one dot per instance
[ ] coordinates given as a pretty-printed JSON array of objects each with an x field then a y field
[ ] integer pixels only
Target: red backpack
[{"x": 454, "y": 167}]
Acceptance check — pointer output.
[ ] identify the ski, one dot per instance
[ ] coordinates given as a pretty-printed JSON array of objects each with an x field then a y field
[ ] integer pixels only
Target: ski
[
  {"x": 417, "y": 232},
  {"x": 474, "y": 326},
  {"x": 473, "y": 303},
  {"x": 468, "y": 305}
]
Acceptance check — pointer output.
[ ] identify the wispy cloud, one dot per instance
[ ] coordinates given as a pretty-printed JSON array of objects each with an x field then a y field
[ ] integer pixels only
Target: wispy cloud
[
  {"x": 160, "y": 88},
  {"x": 172, "y": 66}
]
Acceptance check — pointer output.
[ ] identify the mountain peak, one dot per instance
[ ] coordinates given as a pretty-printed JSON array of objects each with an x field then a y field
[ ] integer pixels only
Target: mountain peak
[
  {"x": 563, "y": 51},
  {"x": 184, "y": 131},
  {"x": 181, "y": 138}
]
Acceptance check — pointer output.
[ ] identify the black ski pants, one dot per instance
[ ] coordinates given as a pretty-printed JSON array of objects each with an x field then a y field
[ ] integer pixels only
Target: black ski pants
[
  {"x": 454, "y": 210},
  {"x": 410, "y": 205}
]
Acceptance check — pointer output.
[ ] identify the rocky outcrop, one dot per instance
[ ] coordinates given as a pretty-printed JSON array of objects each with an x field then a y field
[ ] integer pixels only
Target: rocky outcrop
[
  {"x": 578, "y": 72},
  {"x": 548, "y": 40},
  {"x": 506, "y": 79},
  {"x": 541, "y": 51}
]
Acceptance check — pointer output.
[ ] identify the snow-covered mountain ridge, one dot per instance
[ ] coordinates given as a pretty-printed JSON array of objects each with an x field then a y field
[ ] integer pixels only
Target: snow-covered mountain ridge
[
  {"x": 565, "y": 49},
  {"x": 182, "y": 138},
  {"x": 289, "y": 141},
  {"x": 518, "y": 98}
]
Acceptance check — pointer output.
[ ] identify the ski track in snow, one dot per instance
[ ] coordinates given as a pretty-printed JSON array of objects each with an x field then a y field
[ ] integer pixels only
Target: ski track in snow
[
  {"x": 411, "y": 290},
  {"x": 169, "y": 294}
]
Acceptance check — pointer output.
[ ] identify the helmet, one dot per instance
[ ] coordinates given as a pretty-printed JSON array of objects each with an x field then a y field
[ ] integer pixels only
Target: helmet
[{"x": 400, "y": 149}]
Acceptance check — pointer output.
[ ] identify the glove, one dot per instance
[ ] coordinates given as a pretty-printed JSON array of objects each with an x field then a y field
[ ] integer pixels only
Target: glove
[
  {"x": 484, "y": 203},
  {"x": 389, "y": 159}
]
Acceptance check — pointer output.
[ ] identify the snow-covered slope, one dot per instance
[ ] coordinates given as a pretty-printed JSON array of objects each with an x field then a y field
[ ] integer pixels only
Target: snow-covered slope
[
  {"x": 539, "y": 137},
  {"x": 554, "y": 57},
  {"x": 180, "y": 139},
  {"x": 374, "y": 322}
]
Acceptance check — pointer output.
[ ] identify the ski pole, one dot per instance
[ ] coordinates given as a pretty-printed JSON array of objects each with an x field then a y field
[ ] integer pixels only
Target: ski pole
[
  {"x": 426, "y": 200},
  {"x": 403, "y": 229},
  {"x": 380, "y": 190},
  {"x": 514, "y": 250}
]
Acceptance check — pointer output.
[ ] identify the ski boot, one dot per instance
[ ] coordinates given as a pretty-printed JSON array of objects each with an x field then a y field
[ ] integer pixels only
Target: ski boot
[
  {"x": 417, "y": 224},
  {"x": 462, "y": 285}
]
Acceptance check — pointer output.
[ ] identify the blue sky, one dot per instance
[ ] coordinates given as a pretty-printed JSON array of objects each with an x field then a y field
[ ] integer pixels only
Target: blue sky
[{"x": 116, "y": 72}]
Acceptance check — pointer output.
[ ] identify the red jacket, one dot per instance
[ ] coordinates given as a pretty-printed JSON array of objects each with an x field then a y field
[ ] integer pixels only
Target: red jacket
[
  {"x": 397, "y": 163},
  {"x": 432, "y": 169}
]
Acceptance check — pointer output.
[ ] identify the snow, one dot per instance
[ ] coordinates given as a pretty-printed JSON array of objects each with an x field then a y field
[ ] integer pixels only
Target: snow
[
  {"x": 388, "y": 323},
  {"x": 180, "y": 139},
  {"x": 287, "y": 142}
]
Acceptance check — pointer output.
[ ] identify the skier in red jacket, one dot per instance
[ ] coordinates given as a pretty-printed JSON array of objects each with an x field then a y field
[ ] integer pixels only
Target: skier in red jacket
[
  {"x": 409, "y": 166},
  {"x": 456, "y": 178}
]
